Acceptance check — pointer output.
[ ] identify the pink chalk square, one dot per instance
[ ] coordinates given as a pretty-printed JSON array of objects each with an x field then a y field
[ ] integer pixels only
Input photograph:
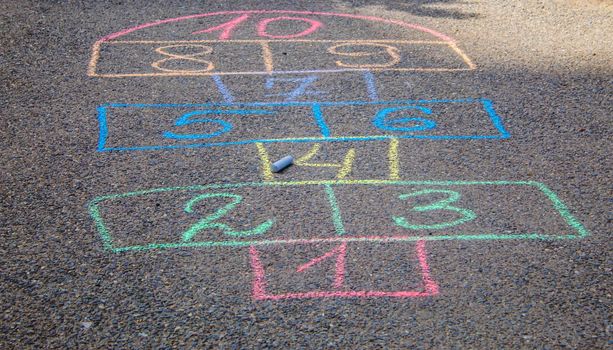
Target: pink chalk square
[{"x": 316, "y": 270}]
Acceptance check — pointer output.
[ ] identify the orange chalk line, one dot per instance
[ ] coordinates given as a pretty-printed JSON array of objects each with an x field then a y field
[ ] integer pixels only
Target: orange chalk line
[
  {"x": 93, "y": 62},
  {"x": 267, "y": 55},
  {"x": 171, "y": 56},
  {"x": 465, "y": 57},
  {"x": 392, "y": 51},
  {"x": 279, "y": 41},
  {"x": 187, "y": 74}
]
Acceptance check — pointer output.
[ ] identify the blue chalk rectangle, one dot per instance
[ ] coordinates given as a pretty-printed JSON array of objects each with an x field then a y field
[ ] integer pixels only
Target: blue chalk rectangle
[{"x": 137, "y": 127}]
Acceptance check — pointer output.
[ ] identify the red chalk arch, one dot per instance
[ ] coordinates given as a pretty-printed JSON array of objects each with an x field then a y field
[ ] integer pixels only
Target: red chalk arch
[{"x": 227, "y": 27}]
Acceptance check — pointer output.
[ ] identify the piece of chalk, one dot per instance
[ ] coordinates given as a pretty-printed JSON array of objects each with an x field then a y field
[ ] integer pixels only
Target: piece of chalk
[{"x": 282, "y": 164}]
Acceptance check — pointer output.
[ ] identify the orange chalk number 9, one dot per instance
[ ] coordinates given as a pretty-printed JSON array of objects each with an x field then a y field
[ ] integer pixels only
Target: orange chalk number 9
[{"x": 370, "y": 50}]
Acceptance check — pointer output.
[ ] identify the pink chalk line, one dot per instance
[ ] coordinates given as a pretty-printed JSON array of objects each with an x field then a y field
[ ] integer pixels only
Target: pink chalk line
[
  {"x": 429, "y": 284},
  {"x": 259, "y": 280},
  {"x": 183, "y": 18},
  {"x": 227, "y": 27},
  {"x": 340, "y": 252}
]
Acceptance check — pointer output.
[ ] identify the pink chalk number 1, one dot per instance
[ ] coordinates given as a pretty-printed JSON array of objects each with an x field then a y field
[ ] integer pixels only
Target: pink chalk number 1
[
  {"x": 262, "y": 27},
  {"x": 340, "y": 253}
]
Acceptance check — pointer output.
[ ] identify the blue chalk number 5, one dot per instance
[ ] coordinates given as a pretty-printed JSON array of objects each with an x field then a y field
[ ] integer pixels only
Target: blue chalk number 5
[{"x": 226, "y": 126}]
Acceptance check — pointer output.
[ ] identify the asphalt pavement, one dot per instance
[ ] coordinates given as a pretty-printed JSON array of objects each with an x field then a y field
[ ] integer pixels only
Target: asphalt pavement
[{"x": 451, "y": 185}]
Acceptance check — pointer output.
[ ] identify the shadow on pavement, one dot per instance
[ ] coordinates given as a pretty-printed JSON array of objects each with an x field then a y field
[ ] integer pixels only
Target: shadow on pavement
[{"x": 422, "y": 8}]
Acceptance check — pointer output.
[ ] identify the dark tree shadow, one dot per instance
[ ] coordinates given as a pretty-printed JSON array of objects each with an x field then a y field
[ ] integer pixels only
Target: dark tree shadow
[{"x": 420, "y": 8}]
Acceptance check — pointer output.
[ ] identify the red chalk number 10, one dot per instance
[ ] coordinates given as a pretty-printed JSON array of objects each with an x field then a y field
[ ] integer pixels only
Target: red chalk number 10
[{"x": 227, "y": 28}]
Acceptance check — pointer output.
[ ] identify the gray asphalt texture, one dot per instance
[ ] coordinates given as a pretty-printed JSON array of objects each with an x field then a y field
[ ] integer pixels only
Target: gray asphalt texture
[{"x": 548, "y": 68}]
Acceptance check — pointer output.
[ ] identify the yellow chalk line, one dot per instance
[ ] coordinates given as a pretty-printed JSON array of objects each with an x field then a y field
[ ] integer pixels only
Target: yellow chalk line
[
  {"x": 265, "y": 162},
  {"x": 347, "y": 164},
  {"x": 393, "y": 160}
]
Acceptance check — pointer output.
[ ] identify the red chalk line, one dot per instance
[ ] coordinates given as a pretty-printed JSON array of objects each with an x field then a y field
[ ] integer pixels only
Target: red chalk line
[{"x": 259, "y": 280}]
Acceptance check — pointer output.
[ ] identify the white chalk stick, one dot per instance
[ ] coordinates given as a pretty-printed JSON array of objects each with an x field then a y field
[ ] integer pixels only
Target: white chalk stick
[{"x": 282, "y": 164}]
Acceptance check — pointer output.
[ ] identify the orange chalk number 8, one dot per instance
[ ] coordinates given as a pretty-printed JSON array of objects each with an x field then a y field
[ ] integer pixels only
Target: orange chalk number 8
[{"x": 193, "y": 58}]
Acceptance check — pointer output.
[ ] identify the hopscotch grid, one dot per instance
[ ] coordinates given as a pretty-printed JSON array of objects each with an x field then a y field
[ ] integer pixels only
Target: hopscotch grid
[
  {"x": 316, "y": 114},
  {"x": 267, "y": 57},
  {"x": 249, "y": 12},
  {"x": 110, "y": 39},
  {"x": 259, "y": 283},
  {"x": 559, "y": 206}
]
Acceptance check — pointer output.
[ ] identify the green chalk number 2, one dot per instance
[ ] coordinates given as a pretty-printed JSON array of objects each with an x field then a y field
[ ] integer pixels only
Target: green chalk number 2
[
  {"x": 443, "y": 204},
  {"x": 209, "y": 221}
]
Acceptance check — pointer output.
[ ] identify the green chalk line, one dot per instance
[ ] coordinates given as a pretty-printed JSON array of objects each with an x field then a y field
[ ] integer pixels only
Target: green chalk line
[
  {"x": 94, "y": 211},
  {"x": 563, "y": 210},
  {"x": 336, "y": 215},
  {"x": 314, "y": 182},
  {"x": 462, "y": 237}
]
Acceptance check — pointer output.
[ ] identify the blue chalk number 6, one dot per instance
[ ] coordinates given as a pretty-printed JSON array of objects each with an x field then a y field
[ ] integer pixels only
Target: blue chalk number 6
[{"x": 382, "y": 122}]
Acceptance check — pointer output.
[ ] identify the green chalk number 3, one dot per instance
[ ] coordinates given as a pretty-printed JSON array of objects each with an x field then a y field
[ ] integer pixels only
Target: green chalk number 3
[
  {"x": 443, "y": 204},
  {"x": 209, "y": 221}
]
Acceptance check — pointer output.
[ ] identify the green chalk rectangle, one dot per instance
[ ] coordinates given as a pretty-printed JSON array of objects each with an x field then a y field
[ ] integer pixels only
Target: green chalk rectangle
[{"x": 247, "y": 214}]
